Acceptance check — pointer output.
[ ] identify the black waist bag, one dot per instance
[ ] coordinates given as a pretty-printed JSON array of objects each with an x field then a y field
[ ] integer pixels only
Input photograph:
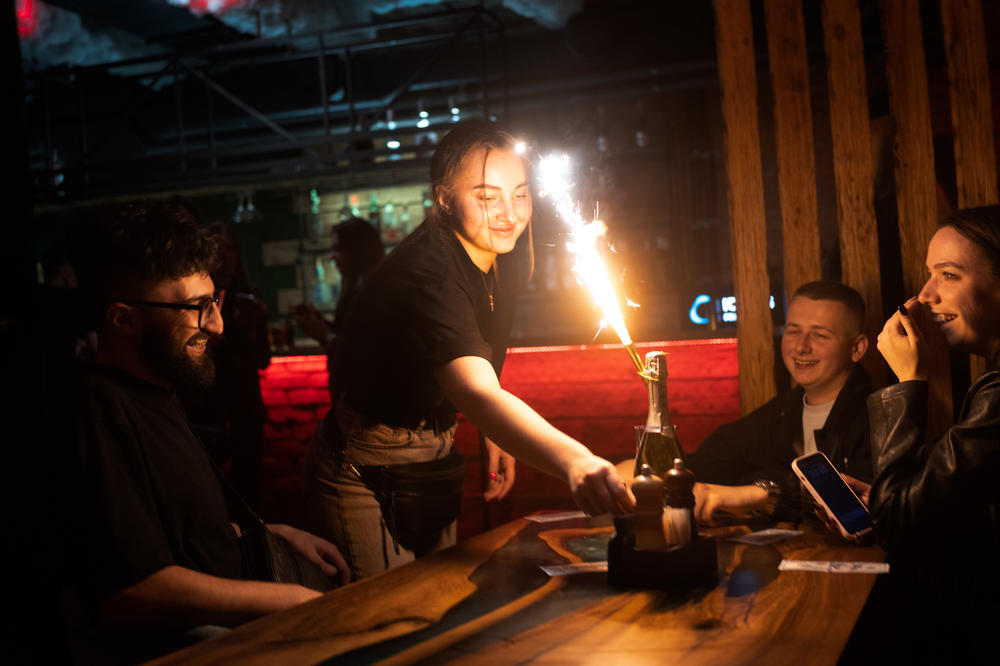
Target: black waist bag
[{"x": 418, "y": 500}]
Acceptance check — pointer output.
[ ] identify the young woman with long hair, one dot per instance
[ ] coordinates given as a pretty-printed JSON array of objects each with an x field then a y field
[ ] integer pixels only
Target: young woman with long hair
[
  {"x": 935, "y": 501},
  {"x": 428, "y": 337}
]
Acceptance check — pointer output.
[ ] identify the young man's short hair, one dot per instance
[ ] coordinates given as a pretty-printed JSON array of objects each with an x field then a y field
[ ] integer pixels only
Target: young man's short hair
[
  {"x": 830, "y": 290},
  {"x": 128, "y": 247}
]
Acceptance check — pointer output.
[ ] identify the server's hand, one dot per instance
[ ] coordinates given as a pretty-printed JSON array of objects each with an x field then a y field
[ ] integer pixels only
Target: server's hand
[
  {"x": 499, "y": 470},
  {"x": 597, "y": 487}
]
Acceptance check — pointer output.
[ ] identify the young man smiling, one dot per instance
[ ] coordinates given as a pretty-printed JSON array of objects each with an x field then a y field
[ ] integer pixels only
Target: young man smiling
[
  {"x": 744, "y": 466},
  {"x": 154, "y": 552}
]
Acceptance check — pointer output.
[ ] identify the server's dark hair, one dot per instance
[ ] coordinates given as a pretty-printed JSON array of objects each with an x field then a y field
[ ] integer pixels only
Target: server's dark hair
[
  {"x": 126, "y": 248},
  {"x": 831, "y": 290}
]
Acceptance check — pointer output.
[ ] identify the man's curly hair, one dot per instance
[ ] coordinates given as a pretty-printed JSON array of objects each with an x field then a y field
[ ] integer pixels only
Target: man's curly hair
[{"x": 127, "y": 248}]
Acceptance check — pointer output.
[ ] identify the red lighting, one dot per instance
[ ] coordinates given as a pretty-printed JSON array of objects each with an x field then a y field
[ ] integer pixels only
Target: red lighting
[
  {"x": 27, "y": 18},
  {"x": 616, "y": 345},
  {"x": 211, "y": 6}
]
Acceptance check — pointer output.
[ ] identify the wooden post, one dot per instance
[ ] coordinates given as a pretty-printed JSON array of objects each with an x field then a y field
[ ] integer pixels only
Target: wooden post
[
  {"x": 852, "y": 166},
  {"x": 786, "y": 50},
  {"x": 971, "y": 112},
  {"x": 916, "y": 184},
  {"x": 747, "y": 224}
]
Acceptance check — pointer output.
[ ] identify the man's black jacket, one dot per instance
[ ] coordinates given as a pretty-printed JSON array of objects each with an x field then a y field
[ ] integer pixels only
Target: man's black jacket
[{"x": 762, "y": 444}]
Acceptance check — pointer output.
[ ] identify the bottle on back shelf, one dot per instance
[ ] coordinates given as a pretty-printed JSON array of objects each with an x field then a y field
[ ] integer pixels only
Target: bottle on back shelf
[
  {"x": 657, "y": 444},
  {"x": 374, "y": 214}
]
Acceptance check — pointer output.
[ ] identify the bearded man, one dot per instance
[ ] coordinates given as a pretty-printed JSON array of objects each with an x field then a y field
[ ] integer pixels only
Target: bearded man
[{"x": 154, "y": 553}]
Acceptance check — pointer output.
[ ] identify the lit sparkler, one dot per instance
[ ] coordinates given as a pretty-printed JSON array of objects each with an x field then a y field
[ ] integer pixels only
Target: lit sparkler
[{"x": 554, "y": 178}]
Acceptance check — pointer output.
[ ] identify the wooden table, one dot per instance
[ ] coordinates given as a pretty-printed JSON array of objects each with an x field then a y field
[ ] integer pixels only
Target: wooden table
[{"x": 487, "y": 601}]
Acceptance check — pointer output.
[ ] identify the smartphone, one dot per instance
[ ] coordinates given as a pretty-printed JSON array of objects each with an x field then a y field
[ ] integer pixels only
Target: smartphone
[{"x": 830, "y": 491}]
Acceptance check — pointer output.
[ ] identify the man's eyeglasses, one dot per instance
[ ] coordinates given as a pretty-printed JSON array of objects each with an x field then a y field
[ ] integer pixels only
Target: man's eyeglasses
[{"x": 203, "y": 307}]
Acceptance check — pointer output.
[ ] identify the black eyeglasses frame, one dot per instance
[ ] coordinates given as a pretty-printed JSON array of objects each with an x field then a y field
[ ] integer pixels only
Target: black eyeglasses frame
[{"x": 202, "y": 307}]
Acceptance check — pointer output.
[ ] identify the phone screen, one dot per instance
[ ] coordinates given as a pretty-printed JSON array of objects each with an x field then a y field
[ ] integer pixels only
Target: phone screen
[{"x": 843, "y": 503}]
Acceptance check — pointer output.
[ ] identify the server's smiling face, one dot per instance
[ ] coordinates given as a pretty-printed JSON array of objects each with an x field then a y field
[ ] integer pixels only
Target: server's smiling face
[
  {"x": 820, "y": 345},
  {"x": 962, "y": 292},
  {"x": 491, "y": 203}
]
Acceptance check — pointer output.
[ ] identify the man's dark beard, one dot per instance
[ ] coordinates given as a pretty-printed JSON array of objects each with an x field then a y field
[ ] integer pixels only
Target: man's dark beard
[{"x": 171, "y": 361}]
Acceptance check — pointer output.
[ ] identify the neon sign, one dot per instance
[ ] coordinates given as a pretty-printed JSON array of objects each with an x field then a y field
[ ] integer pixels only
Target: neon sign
[
  {"x": 699, "y": 301},
  {"x": 725, "y": 307}
]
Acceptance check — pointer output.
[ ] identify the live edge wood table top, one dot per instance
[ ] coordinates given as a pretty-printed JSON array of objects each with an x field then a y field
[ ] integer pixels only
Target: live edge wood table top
[{"x": 486, "y": 601}]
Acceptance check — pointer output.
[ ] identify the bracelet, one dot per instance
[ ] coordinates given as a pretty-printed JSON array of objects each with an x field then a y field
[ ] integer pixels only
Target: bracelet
[{"x": 773, "y": 496}]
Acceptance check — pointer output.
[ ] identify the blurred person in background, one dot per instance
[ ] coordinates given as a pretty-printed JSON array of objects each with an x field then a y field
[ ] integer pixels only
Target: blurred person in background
[
  {"x": 66, "y": 334},
  {"x": 356, "y": 249}
]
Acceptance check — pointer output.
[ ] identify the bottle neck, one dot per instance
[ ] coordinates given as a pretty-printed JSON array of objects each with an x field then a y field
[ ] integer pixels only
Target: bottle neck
[{"x": 657, "y": 416}]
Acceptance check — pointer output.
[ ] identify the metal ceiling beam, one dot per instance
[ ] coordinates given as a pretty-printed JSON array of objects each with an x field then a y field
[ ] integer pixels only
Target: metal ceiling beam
[
  {"x": 296, "y": 42},
  {"x": 318, "y": 139},
  {"x": 137, "y": 99},
  {"x": 270, "y": 124},
  {"x": 405, "y": 85}
]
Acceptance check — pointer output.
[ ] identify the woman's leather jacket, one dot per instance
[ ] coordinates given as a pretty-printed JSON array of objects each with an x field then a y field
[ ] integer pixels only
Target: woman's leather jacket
[{"x": 936, "y": 505}]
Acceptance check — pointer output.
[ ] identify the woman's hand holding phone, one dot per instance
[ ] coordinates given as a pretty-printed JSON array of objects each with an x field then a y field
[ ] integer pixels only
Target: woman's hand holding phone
[
  {"x": 863, "y": 491},
  {"x": 847, "y": 509}
]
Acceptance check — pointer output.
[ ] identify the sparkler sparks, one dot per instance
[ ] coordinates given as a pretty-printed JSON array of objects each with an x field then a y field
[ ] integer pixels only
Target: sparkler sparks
[{"x": 556, "y": 184}]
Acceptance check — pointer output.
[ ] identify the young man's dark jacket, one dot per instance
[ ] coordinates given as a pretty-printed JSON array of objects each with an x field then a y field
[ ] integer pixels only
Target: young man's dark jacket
[{"x": 762, "y": 444}]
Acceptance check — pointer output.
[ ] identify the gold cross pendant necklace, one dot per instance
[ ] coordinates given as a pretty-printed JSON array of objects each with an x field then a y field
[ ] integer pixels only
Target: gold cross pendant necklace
[{"x": 489, "y": 291}]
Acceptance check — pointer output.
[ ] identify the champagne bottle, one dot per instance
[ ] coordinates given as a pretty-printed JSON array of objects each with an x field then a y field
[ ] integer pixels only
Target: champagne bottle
[{"x": 658, "y": 445}]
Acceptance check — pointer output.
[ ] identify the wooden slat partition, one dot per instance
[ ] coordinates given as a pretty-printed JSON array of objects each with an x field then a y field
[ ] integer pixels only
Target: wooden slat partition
[
  {"x": 786, "y": 46},
  {"x": 916, "y": 184},
  {"x": 747, "y": 222},
  {"x": 852, "y": 164},
  {"x": 971, "y": 111}
]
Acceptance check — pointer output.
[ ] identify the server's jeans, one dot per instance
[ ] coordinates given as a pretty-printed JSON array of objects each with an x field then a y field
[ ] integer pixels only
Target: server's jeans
[{"x": 343, "y": 510}]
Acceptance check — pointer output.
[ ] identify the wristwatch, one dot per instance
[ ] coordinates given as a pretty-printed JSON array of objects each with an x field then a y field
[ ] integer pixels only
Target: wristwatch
[{"x": 773, "y": 496}]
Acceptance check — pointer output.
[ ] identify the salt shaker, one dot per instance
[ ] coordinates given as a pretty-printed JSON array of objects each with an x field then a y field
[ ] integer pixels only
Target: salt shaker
[
  {"x": 648, "y": 490},
  {"x": 678, "y": 515}
]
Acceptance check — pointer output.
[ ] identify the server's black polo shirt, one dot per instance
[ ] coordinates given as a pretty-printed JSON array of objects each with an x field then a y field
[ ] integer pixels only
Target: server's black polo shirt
[{"x": 427, "y": 304}]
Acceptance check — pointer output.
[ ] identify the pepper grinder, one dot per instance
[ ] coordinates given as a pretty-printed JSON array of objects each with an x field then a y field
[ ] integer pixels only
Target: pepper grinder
[
  {"x": 648, "y": 490},
  {"x": 678, "y": 515}
]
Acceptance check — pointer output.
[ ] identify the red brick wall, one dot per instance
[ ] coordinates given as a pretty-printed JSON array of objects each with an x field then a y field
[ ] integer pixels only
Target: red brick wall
[
  {"x": 593, "y": 394},
  {"x": 295, "y": 394},
  {"x": 590, "y": 392}
]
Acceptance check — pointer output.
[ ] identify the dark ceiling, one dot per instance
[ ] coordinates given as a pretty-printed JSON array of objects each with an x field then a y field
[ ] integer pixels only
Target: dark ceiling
[
  {"x": 154, "y": 21},
  {"x": 140, "y": 96},
  {"x": 199, "y": 103}
]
